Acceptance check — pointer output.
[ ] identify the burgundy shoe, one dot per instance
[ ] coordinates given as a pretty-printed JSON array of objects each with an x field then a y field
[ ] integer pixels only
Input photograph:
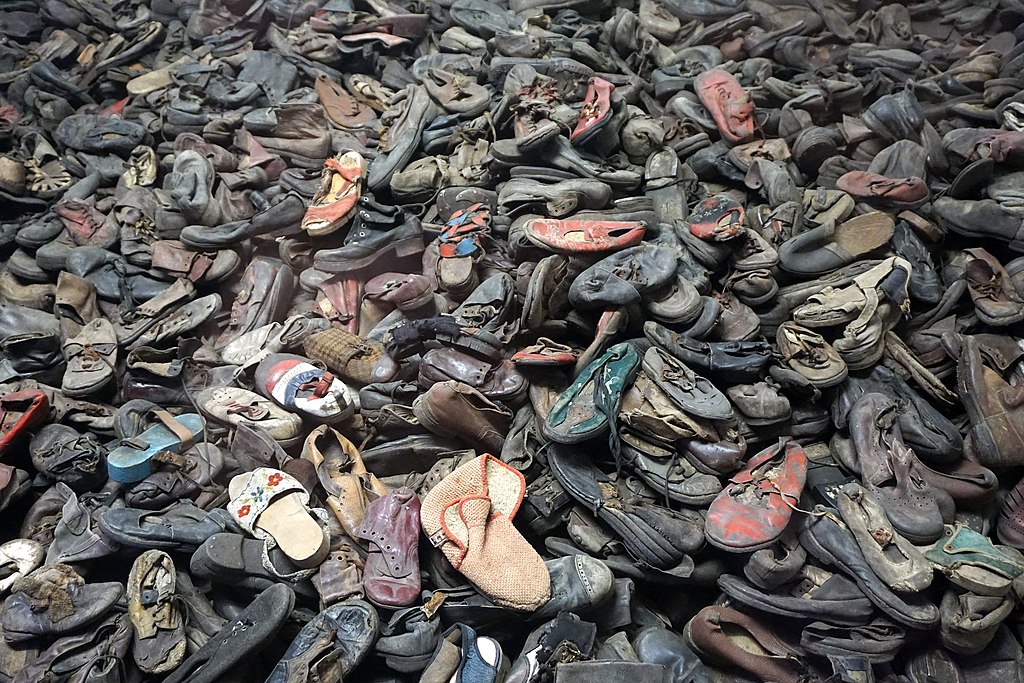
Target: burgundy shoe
[{"x": 391, "y": 577}]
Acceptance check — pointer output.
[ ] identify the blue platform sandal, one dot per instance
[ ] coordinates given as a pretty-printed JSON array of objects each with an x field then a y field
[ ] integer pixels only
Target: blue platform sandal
[{"x": 132, "y": 460}]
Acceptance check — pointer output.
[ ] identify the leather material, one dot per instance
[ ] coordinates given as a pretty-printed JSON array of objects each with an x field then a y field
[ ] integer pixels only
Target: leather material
[
  {"x": 826, "y": 540},
  {"x": 265, "y": 294},
  {"x": 453, "y": 408},
  {"x": 996, "y": 409},
  {"x": 30, "y": 615},
  {"x": 931, "y": 434},
  {"x": 184, "y": 527},
  {"x": 740, "y": 361},
  {"x": 656, "y": 535},
  {"x": 240, "y": 638},
  {"x": 889, "y": 470},
  {"x": 501, "y": 381},
  {"x": 330, "y": 646},
  {"x": 391, "y": 526}
]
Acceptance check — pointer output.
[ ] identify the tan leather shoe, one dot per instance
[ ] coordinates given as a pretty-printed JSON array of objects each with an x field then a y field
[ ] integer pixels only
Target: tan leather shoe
[{"x": 341, "y": 471}]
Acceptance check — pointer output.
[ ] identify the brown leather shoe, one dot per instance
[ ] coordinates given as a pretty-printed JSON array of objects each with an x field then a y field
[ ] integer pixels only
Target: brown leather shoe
[
  {"x": 730, "y": 637},
  {"x": 265, "y": 294},
  {"x": 807, "y": 352},
  {"x": 343, "y": 475},
  {"x": 496, "y": 380},
  {"x": 995, "y": 408},
  {"x": 37, "y": 296},
  {"x": 995, "y": 298},
  {"x": 178, "y": 260},
  {"x": 451, "y": 408}
]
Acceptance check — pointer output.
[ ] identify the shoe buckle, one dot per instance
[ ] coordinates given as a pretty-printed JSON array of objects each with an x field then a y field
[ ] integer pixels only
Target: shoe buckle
[{"x": 438, "y": 538}]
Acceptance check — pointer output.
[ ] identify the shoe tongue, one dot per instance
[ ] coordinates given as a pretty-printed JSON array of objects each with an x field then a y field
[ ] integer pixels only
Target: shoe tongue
[{"x": 979, "y": 606}]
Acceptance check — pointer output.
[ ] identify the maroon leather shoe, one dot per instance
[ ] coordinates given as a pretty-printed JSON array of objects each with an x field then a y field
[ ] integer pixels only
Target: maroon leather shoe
[{"x": 391, "y": 577}]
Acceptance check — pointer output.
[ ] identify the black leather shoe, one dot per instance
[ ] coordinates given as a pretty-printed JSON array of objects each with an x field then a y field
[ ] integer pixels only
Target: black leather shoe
[{"x": 733, "y": 361}]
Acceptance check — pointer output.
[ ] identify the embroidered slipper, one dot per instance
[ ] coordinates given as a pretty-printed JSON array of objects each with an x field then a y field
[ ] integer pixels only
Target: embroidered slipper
[
  {"x": 132, "y": 460},
  {"x": 271, "y": 504}
]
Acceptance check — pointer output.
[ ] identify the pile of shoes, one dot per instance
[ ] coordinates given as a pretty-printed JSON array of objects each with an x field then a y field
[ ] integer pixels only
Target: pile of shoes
[{"x": 526, "y": 341}]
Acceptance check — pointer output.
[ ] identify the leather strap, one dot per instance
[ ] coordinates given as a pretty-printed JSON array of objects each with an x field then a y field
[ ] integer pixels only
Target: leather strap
[
  {"x": 179, "y": 430},
  {"x": 200, "y": 264}
]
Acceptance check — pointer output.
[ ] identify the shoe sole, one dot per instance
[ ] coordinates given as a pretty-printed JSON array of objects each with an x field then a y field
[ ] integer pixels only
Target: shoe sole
[{"x": 401, "y": 249}]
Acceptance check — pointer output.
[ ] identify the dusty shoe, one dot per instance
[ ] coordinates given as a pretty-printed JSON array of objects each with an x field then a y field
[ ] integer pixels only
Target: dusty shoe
[
  {"x": 91, "y": 357},
  {"x": 809, "y": 354},
  {"x": 159, "y": 644},
  {"x": 234, "y": 406},
  {"x": 335, "y": 201},
  {"x": 996, "y": 300}
]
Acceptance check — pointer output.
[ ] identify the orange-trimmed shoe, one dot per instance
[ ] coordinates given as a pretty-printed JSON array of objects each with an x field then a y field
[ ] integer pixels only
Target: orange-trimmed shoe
[{"x": 334, "y": 203}]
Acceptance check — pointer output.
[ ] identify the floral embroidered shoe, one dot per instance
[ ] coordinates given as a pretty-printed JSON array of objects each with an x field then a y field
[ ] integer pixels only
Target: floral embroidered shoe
[{"x": 273, "y": 507}]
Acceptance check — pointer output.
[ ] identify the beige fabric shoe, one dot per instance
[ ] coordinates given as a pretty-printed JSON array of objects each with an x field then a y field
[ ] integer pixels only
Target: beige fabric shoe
[{"x": 469, "y": 514}]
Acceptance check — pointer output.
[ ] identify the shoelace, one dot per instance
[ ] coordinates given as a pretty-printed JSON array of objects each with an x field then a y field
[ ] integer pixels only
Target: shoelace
[
  {"x": 680, "y": 378},
  {"x": 590, "y": 111},
  {"x": 805, "y": 352},
  {"x": 812, "y": 355},
  {"x": 630, "y": 273},
  {"x": 90, "y": 356},
  {"x": 251, "y": 411}
]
